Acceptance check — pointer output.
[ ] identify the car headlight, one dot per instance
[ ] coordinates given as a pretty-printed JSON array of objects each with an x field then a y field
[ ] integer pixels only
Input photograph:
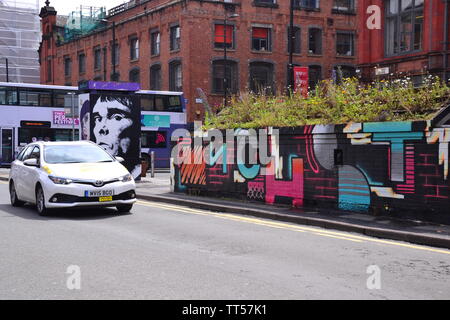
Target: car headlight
[
  {"x": 58, "y": 180},
  {"x": 126, "y": 178}
]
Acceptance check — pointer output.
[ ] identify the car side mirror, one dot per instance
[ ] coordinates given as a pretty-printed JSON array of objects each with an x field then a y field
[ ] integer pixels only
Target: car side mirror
[
  {"x": 31, "y": 163},
  {"x": 120, "y": 159}
]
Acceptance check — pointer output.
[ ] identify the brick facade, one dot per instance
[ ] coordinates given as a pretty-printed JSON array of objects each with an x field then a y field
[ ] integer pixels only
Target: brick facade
[
  {"x": 197, "y": 52},
  {"x": 429, "y": 58}
]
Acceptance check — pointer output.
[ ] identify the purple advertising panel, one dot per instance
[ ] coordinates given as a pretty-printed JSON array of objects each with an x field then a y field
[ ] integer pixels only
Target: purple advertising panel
[{"x": 115, "y": 123}]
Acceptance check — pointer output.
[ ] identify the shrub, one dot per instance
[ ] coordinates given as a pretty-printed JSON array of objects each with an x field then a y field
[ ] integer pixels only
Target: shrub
[{"x": 349, "y": 101}]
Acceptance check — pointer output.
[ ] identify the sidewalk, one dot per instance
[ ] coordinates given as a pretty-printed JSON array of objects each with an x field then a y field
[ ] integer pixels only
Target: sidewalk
[{"x": 158, "y": 189}]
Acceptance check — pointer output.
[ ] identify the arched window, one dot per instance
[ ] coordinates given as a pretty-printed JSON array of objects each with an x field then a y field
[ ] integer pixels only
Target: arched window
[
  {"x": 135, "y": 75},
  {"x": 262, "y": 77},
  {"x": 175, "y": 76},
  {"x": 229, "y": 78},
  {"x": 155, "y": 77},
  {"x": 343, "y": 72},
  {"x": 314, "y": 75}
]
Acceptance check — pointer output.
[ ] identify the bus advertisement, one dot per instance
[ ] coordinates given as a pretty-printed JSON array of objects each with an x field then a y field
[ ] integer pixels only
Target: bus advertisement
[{"x": 31, "y": 112}]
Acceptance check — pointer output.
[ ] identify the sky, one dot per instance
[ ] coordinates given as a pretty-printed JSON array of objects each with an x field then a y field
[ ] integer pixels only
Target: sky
[{"x": 64, "y": 7}]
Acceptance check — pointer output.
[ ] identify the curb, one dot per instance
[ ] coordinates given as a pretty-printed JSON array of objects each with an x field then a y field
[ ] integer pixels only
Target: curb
[{"x": 410, "y": 237}]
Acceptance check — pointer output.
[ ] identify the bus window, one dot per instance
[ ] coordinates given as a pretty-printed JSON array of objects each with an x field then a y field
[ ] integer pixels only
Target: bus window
[
  {"x": 59, "y": 98},
  {"x": 8, "y": 95},
  {"x": 35, "y": 98},
  {"x": 159, "y": 103},
  {"x": 175, "y": 104},
  {"x": 147, "y": 103},
  {"x": 154, "y": 139}
]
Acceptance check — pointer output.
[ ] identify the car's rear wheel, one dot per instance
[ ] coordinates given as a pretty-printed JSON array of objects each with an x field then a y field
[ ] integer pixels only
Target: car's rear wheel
[
  {"x": 15, "y": 202},
  {"x": 40, "y": 201},
  {"x": 124, "y": 208}
]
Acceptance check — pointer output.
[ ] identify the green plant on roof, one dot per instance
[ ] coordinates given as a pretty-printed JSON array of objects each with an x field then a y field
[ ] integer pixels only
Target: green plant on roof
[{"x": 331, "y": 103}]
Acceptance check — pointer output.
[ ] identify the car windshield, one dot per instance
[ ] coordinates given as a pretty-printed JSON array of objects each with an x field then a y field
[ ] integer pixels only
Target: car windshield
[{"x": 75, "y": 154}]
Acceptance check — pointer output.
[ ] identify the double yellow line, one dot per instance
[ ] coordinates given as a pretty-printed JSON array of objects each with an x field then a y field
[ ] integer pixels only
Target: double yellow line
[{"x": 287, "y": 226}]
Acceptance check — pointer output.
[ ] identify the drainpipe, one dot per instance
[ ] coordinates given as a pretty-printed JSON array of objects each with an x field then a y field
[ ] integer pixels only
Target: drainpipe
[{"x": 7, "y": 70}]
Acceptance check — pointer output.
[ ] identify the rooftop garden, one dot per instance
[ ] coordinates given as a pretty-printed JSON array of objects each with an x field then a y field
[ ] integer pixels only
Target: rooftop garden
[{"x": 331, "y": 103}]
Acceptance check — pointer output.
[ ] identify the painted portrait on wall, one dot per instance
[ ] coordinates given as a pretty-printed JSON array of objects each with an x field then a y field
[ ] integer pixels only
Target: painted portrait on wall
[
  {"x": 116, "y": 126},
  {"x": 85, "y": 112}
]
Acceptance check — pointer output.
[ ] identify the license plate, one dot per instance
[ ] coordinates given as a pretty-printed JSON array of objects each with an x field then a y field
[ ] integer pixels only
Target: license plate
[
  {"x": 105, "y": 199},
  {"x": 99, "y": 193}
]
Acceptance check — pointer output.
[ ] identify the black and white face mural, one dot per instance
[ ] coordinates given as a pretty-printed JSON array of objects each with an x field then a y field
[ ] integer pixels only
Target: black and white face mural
[{"x": 116, "y": 127}]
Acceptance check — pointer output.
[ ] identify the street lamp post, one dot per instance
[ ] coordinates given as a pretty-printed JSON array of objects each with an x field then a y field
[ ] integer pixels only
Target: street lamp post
[
  {"x": 291, "y": 46},
  {"x": 113, "y": 51},
  {"x": 113, "y": 54},
  {"x": 72, "y": 94},
  {"x": 225, "y": 64}
]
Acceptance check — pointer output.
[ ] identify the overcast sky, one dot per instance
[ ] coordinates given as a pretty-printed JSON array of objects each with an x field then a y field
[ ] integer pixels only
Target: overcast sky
[{"x": 64, "y": 7}]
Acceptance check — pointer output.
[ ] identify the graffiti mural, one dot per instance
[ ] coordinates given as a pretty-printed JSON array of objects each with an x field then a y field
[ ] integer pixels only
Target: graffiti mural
[{"x": 396, "y": 167}]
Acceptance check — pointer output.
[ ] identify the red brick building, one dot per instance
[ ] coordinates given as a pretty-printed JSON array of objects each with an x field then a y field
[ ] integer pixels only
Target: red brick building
[
  {"x": 403, "y": 37},
  {"x": 179, "y": 45}
]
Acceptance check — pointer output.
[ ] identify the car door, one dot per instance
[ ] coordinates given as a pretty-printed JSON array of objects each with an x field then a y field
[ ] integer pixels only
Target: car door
[
  {"x": 30, "y": 175},
  {"x": 17, "y": 171}
]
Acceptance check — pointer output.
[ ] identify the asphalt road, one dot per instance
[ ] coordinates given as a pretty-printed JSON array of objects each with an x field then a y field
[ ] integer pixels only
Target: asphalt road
[{"x": 168, "y": 252}]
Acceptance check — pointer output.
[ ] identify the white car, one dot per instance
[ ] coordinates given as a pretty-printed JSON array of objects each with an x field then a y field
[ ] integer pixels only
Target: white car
[{"x": 56, "y": 175}]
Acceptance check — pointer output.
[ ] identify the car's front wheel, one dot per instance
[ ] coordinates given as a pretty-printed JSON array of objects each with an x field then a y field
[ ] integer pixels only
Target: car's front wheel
[
  {"x": 124, "y": 208},
  {"x": 15, "y": 202},
  {"x": 40, "y": 201}
]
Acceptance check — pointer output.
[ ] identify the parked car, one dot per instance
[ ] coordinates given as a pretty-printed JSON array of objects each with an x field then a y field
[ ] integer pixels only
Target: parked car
[{"x": 56, "y": 175}]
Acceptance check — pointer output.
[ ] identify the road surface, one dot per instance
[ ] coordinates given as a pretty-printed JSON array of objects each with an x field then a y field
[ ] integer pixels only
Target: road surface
[{"x": 164, "y": 251}]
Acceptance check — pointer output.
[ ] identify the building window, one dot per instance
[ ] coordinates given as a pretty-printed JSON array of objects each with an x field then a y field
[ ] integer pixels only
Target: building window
[
  {"x": 306, "y": 4},
  {"x": 97, "y": 59},
  {"x": 219, "y": 76},
  {"x": 343, "y": 6},
  {"x": 315, "y": 41},
  {"x": 67, "y": 67},
  {"x": 261, "y": 77},
  {"x": 115, "y": 58},
  {"x": 134, "y": 49},
  {"x": 81, "y": 63},
  {"x": 222, "y": 38},
  {"x": 155, "y": 43},
  {"x": 343, "y": 72},
  {"x": 49, "y": 70},
  {"x": 296, "y": 40},
  {"x": 155, "y": 77},
  {"x": 404, "y": 26},
  {"x": 115, "y": 76},
  {"x": 345, "y": 44},
  {"x": 314, "y": 75},
  {"x": 266, "y": 3},
  {"x": 135, "y": 75},
  {"x": 261, "y": 39},
  {"x": 175, "y": 38},
  {"x": 175, "y": 76}
]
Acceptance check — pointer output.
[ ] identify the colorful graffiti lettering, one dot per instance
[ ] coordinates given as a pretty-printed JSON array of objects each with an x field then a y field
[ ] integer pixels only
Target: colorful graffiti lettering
[{"x": 392, "y": 164}]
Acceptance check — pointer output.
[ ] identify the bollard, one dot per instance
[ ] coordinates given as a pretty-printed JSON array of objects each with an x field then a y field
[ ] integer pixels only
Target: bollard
[
  {"x": 152, "y": 163},
  {"x": 144, "y": 167}
]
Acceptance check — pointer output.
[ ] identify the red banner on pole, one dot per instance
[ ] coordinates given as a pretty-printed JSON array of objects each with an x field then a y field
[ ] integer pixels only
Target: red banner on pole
[{"x": 301, "y": 80}]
